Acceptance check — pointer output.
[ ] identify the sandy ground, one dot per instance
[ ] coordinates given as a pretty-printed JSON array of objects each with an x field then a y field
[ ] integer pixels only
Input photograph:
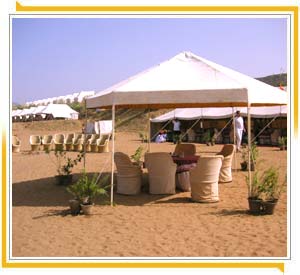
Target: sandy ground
[{"x": 143, "y": 225}]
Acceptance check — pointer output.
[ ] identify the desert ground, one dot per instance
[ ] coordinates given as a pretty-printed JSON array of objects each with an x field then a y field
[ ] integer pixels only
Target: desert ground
[{"x": 137, "y": 226}]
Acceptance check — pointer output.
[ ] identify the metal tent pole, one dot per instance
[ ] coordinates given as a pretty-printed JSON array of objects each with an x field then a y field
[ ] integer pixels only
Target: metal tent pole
[
  {"x": 84, "y": 133},
  {"x": 112, "y": 156},
  {"x": 149, "y": 130},
  {"x": 249, "y": 149},
  {"x": 234, "y": 140}
]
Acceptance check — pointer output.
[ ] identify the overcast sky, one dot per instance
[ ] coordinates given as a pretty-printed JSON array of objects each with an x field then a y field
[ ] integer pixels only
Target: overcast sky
[{"x": 54, "y": 57}]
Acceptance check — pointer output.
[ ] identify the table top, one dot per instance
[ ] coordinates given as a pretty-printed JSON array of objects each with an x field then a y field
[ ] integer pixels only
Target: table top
[{"x": 185, "y": 159}]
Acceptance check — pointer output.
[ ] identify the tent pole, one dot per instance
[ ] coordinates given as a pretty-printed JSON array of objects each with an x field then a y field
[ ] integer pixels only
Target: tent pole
[
  {"x": 149, "y": 130},
  {"x": 234, "y": 140},
  {"x": 249, "y": 149},
  {"x": 84, "y": 132},
  {"x": 112, "y": 156}
]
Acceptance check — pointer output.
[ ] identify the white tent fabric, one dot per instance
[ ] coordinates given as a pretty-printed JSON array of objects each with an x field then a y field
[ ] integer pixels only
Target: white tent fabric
[
  {"x": 60, "y": 111},
  {"x": 38, "y": 109},
  {"x": 220, "y": 113},
  {"x": 26, "y": 112},
  {"x": 266, "y": 112},
  {"x": 96, "y": 127},
  {"x": 190, "y": 81},
  {"x": 105, "y": 126},
  {"x": 16, "y": 113}
]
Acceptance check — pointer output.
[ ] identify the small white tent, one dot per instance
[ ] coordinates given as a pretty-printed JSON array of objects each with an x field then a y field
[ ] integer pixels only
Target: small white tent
[{"x": 60, "y": 111}]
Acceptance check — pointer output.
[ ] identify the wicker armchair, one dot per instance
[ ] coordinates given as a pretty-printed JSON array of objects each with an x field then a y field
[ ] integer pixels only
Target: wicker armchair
[
  {"x": 16, "y": 144},
  {"x": 59, "y": 142},
  {"x": 35, "y": 142},
  {"x": 78, "y": 142},
  {"x": 93, "y": 142},
  {"x": 129, "y": 176},
  {"x": 47, "y": 142},
  {"x": 188, "y": 149},
  {"x": 204, "y": 179},
  {"x": 69, "y": 142},
  {"x": 162, "y": 172},
  {"x": 103, "y": 143},
  {"x": 225, "y": 173}
]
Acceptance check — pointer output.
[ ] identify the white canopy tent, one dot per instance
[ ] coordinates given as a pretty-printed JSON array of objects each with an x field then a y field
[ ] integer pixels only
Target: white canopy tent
[{"x": 187, "y": 80}]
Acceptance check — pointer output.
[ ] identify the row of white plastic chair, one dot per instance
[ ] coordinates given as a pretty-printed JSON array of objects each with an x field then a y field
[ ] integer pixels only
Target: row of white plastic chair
[{"x": 71, "y": 142}]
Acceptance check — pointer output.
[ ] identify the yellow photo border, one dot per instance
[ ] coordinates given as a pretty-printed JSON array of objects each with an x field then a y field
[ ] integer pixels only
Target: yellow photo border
[{"x": 215, "y": 265}]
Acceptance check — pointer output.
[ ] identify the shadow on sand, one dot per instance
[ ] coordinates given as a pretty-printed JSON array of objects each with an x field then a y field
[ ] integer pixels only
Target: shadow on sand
[{"x": 45, "y": 192}]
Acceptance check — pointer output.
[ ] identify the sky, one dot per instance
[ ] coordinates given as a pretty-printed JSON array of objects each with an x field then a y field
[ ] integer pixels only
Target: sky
[{"x": 59, "y": 56}]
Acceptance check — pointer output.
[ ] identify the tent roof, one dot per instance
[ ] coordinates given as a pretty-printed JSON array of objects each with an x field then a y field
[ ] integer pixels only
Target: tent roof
[
  {"x": 58, "y": 110},
  {"x": 220, "y": 113},
  {"x": 188, "y": 80}
]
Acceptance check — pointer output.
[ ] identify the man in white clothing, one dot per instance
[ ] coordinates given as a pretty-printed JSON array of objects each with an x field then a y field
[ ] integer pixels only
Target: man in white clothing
[
  {"x": 239, "y": 129},
  {"x": 176, "y": 130}
]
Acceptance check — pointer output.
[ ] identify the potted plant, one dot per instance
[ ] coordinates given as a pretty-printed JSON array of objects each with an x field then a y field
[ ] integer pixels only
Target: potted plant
[
  {"x": 136, "y": 157},
  {"x": 264, "y": 192},
  {"x": 282, "y": 143},
  {"x": 85, "y": 190},
  {"x": 253, "y": 157},
  {"x": 64, "y": 166}
]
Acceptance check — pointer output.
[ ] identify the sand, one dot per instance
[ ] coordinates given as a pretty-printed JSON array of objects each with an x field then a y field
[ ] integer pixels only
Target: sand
[{"x": 143, "y": 225}]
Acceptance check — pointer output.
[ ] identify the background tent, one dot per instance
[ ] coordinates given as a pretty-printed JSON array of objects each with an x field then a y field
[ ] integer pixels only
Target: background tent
[
  {"x": 220, "y": 113},
  {"x": 60, "y": 111}
]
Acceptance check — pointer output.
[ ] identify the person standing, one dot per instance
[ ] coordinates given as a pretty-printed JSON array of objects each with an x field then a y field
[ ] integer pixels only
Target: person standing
[
  {"x": 239, "y": 129},
  {"x": 176, "y": 130}
]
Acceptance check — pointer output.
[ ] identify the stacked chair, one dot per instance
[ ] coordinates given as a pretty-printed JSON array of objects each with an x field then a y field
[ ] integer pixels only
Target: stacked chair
[
  {"x": 69, "y": 142},
  {"x": 47, "y": 142},
  {"x": 129, "y": 176},
  {"x": 188, "y": 149},
  {"x": 162, "y": 172},
  {"x": 59, "y": 142},
  {"x": 35, "y": 142},
  {"x": 16, "y": 144},
  {"x": 225, "y": 173},
  {"x": 204, "y": 179}
]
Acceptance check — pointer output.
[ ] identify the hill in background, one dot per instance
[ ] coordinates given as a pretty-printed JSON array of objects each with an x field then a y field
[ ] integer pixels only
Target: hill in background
[{"x": 274, "y": 80}]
